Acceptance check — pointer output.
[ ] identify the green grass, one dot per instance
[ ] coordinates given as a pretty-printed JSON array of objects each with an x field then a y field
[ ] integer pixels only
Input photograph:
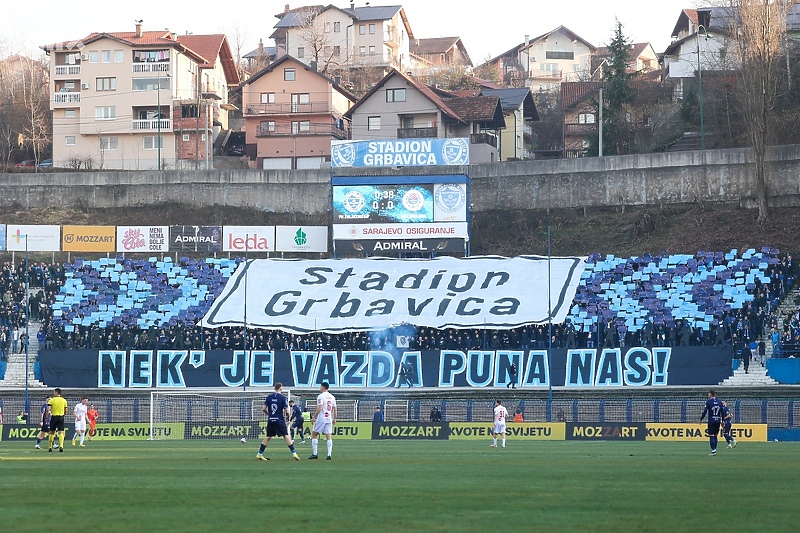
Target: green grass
[{"x": 400, "y": 486}]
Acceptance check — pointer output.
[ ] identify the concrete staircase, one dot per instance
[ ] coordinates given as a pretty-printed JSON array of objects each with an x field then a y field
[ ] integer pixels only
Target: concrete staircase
[
  {"x": 16, "y": 371},
  {"x": 755, "y": 377}
]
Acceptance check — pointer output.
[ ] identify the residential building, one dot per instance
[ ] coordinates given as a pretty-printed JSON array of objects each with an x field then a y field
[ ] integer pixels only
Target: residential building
[
  {"x": 399, "y": 107},
  {"x": 519, "y": 109},
  {"x": 642, "y": 58},
  {"x": 580, "y": 115},
  {"x": 261, "y": 57},
  {"x": 139, "y": 100},
  {"x": 543, "y": 62},
  {"x": 440, "y": 52},
  {"x": 334, "y": 38},
  {"x": 292, "y": 113}
]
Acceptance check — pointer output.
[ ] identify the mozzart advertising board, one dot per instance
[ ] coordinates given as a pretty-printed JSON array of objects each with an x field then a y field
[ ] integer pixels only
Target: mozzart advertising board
[
  {"x": 400, "y": 153},
  {"x": 89, "y": 239},
  {"x": 634, "y": 367},
  {"x": 340, "y": 295}
]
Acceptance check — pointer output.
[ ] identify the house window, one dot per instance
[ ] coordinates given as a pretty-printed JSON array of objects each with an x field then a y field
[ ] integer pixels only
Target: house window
[
  {"x": 337, "y": 27},
  {"x": 300, "y": 126},
  {"x": 106, "y": 84},
  {"x": 94, "y": 57},
  {"x": 152, "y": 142},
  {"x": 301, "y": 52},
  {"x": 337, "y": 51},
  {"x": 189, "y": 111},
  {"x": 185, "y": 137},
  {"x": 267, "y": 125},
  {"x": 69, "y": 85},
  {"x": 267, "y": 98},
  {"x": 372, "y": 29},
  {"x": 373, "y": 123},
  {"x": 300, "y": 99},
  {"x": 109, "y": 143},
  {"x": 119, "y": 56},
  {"x": 362, "y": 29},
  {"x": 395, "y": 95},
  {"x": 106, "y": 55},
  {"x": 289, "y": 74},
  {"x": 372, "y": 50},
  {"x": 69, "y": 113},
  {"x": 105, "y": 112},
  {"x": 362, "y": 50},
  {"x": 586, "y": 118},
  {"x": 69, "y": 140}
]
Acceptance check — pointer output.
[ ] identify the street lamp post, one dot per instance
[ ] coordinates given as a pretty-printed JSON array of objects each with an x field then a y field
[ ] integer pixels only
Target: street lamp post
[
  {"x": 700, "y": 87},
  {"x": 158, "y": 111},
  {"x": 27, "y": 322}
]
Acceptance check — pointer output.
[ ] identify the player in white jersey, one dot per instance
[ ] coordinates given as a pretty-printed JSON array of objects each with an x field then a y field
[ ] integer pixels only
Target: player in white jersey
[
  {"x": 500, "y": 416},
  {"x": 80, "y": 420},
  {"x": 324, "y": 420}
]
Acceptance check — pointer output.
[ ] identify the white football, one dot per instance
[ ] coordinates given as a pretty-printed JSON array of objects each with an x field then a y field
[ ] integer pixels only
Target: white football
[{"x": 243, "y": 440}]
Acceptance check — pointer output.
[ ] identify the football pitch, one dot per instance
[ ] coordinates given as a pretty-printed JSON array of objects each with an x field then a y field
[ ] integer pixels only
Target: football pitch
[{"x": 208, "y": 485}]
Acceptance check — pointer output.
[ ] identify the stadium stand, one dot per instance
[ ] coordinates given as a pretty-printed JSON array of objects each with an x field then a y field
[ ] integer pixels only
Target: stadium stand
[{"x": 654, "y": 300}]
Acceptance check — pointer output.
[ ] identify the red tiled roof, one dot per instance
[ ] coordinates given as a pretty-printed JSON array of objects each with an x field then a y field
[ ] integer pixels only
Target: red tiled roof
[{"x": 213, "y": 47}]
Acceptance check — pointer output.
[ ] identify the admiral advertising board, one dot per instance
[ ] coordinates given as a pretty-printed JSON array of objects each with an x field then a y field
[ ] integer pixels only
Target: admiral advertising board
[{"x": 206, "y": 239}]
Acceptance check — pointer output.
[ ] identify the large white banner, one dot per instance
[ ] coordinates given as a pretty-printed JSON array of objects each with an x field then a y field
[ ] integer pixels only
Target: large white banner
[
  {"x": 142, "y": 239},
  {"x": 36, "y": 238},
  {"x": 435, "y": 230},
  {"x": 333, "y": 295}
]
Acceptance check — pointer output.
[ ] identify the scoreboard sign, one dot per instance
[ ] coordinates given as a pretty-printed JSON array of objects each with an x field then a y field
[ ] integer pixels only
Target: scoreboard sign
[{"x": 399, "y": 206}]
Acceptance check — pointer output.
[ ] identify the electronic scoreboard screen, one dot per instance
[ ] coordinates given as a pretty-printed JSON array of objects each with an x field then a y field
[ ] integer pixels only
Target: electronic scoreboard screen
[{"x": 383, "y": 203}]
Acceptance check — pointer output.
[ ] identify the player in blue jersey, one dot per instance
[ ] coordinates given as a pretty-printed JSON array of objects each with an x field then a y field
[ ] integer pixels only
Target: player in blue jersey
[
  {"x": 714, "y": 410},
  {"x": 44, "y": 423},
  {"x": 277, "y": 410},
  {"x": 296, "y": 421},
  {"x": 727, "y": 420}
]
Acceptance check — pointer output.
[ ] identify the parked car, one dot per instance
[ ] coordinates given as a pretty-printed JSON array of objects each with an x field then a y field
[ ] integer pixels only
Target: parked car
[
  {"x": 236, "y": 149},
  {"x": 46, "y": 163},
  {"x": 27, "y": 163}
]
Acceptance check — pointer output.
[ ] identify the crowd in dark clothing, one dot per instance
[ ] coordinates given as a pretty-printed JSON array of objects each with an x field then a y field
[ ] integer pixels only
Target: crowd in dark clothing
[{"x": 734, "y": 327}]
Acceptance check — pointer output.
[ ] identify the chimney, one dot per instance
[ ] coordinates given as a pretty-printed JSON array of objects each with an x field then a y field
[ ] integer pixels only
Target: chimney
[
  {"x": 337, "y": 80},
  {"x": 286, "y": 8},
  {"x": 313, "y": 66},
  {"x": 260, "y": 47},
  {"x": 527, "y": 38},
  {"x": 138, "y": 28},
  {"x": 352, "y": 6}
]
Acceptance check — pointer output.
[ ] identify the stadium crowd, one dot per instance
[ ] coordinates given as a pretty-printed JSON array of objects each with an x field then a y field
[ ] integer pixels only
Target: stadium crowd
[{"x": 756, "y": 319}]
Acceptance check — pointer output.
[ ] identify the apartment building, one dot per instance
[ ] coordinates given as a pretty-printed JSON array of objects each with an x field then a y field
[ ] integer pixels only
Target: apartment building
[
  {"x": 292, "y": 113},
  {"x": 334, "y": 38},
  {"x": 139, "y": 100}
]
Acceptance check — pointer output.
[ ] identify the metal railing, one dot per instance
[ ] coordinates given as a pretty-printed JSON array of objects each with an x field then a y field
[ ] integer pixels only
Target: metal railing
[
  {"x": 288, "y": 108},
  {"x": 284, "y": 130},
  {"x": 483, "y": 138},
  {"x": 160, "y": 66},
  {"x": 66, "y": 98},
  {"x": 152, "y": 124},
  {"x": 414, "y": 133},
  {"x": 68, "y": 70}
]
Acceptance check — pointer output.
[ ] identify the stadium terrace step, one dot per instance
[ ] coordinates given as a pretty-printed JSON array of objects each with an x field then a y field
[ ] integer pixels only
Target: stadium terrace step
[
  {"x": 16, "y": 371},
  {"x": 755, "y": 377}
]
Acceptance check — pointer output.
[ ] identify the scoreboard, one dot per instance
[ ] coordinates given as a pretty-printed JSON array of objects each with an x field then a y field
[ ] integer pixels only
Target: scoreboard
[{"x": 400, "y": 213}]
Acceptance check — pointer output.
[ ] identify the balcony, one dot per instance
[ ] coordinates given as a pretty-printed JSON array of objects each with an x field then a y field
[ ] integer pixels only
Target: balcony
[
  {"x": 67, "y": 98},
  {"x": 579, "y": 129},
  {"x": 287, "y": 108},
  {"x": 545, "y": 74},
  {"x": 287, "y": 130},
  {"x": 153, "y": 124},
  {"x": 147, "y": 66},
  {"x": 417, "y": 133},
  {"x": 527, "y": 129},
  {"x": 483, "y": 138},
  {"x": 391, "y": 38},
  {"x": 68, "y": 70}
]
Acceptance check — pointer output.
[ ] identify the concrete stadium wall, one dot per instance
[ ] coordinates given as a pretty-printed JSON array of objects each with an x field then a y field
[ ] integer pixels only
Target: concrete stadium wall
[{"x": 680, "y": 177}]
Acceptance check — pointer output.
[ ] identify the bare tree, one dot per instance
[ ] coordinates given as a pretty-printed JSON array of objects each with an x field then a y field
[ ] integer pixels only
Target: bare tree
[
  {"x": 759, "y": 35},
  {"x": 317, "y": 34}
]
